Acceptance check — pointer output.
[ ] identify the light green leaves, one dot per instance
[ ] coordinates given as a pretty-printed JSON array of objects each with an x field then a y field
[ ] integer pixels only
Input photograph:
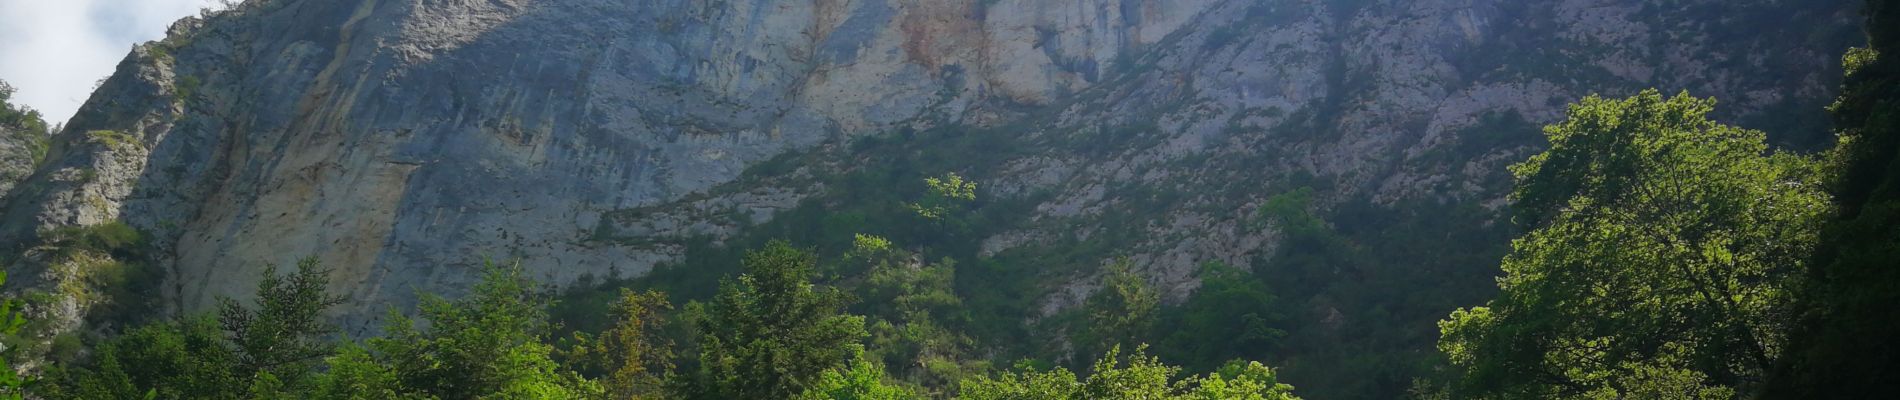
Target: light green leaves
[
  {"x": 1662, "y": 251},
  {"x": 864, "y": 380},
  {"x": 1123, "y": 310},
  {"x": 1138, "y": 377},
  {"x": 944, "y": 196}
]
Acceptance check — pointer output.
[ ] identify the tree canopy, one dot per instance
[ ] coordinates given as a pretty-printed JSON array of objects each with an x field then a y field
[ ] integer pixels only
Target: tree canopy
[
  {"x": 1138, "y": 377},
  {"x": 770, "y": 333},
  {"x": 1659, "y": 265},
  {"x": 1844, "y": 345}
]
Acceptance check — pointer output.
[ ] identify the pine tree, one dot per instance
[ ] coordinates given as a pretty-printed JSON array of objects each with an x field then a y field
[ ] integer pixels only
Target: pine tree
[{"x": 772, "y": 334}]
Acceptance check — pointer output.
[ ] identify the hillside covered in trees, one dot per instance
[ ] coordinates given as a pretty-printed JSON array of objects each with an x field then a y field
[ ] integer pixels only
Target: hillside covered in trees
[{"x": 1509, "y": 216}]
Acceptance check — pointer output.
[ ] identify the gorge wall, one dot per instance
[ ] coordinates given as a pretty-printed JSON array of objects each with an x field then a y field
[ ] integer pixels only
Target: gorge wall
[{"x": 402, "y": 141}]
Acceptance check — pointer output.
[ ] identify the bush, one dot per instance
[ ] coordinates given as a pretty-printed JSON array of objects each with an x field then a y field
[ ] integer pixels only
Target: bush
[{"x": 111, "y": 238}]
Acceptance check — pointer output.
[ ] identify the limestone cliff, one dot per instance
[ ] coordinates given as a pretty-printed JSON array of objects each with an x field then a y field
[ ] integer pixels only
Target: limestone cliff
[
  {"x": 401, "y": 141},
  {"x": 16, "y": 158}
]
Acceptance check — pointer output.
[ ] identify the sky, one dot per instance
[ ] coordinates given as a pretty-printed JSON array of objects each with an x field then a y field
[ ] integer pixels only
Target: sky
[{"x": 53, "y": 51}]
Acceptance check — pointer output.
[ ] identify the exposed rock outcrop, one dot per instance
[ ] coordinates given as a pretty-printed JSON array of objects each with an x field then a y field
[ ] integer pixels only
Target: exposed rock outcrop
[
  {"x": 401, "y": 141},
  {"x": 16, "y": 159}
]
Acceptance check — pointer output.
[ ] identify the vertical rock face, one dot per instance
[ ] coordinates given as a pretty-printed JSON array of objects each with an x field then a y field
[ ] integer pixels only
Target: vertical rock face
[
  {"x": 403, "y": 141},
  {"x": 377, "y": 134},
  {"x": 16, "y": 159},
  {"x": 22, "y": 141}
]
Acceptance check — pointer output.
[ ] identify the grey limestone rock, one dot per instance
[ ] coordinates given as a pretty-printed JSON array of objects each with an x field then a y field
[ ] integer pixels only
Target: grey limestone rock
[{"x": 402, "y": 141}]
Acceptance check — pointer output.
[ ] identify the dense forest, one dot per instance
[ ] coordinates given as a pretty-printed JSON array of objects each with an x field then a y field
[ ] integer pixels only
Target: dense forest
[{"x": 1650, "y": 252}]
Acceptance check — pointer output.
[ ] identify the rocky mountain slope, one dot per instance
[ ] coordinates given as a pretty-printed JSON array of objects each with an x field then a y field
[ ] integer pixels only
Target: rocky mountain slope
[
  {"x": 22, "y": 141},
  {"x": 16, "y": 158},
  {"x": 403, "y": 141}
]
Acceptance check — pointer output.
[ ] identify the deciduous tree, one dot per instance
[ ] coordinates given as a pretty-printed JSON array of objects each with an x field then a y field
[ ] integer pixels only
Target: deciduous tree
[{"x": 1662, "y": 250}]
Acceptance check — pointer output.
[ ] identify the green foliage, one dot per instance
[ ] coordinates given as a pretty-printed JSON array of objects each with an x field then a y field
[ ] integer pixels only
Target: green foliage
[
  {"x": 917, "y": 313},
  {"x": 111, "y": 138},
  {"x": 111, "y": 238},
  {"x": 266, "y": 350},
  {"x": 1243, "y": 380},
  {"x": 355, "y": 374},
  {"x": 111, "y": 261},
  {"x": 887, "y": 175},
  {"x": 1140, "y": 377},
  {"x": 12, "y": 385},
  {"x": 1231, "y": 315},
  {"x": 899, "y": 287},
  {"x": 286, "y": 333},
  {"x": 1122, "y": 311},
  {"x": 770, "y": 334},
  {"x": 18, "y": 117},
  {"x": 1843, "y": 347},
  {"x": 1292, "y": 212},
  {"x": 1356, "y": 283},
  {"x": 864, "y": 380},
  {"x": 187, "y": 359},
  {"x": 1027, "y": 385},
  {"x": 26, "y": 126},
  {"x": 633, "y": 354},
  {"x": 1663, "y": 249},
  {"x": 1353, "y": 279},
  {"x": 187, "y": 89},
  {"x": 946, "y": 195},
  {"x": 487, "y": 345},
  {"x": 1858, "y": 59},
  {"x": 870, "y": 247}
]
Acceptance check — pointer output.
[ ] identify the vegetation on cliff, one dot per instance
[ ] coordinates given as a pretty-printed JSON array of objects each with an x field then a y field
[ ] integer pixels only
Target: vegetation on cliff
[{"x": 1663, "y": 255}]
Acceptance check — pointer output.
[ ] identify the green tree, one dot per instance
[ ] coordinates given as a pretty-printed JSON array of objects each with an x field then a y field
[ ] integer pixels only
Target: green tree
[
  {"x": 26, "y": 125},
  {"x": 355, "y": 374},
  {"x": 1030, "y": 384},
  {"x": 1844, "y": 347},
  {"x": 265, "y": 350},
  {"x": 863, "y": 380},
  {"x": 771, "y": 334},
  {"x": 944, "y": 196},
  {"x": 1139, "y": 377},
  {"x": 19, "y": 117},
  {"x": 1242, "y": 380},
  {"x": 487, "y": 345},
  {"x": 1292, "y": 212},
  {"x": 634, "y": 354},
  {"x": 1662, "y": 252},
  {"x": 1122, "y": 310},
  {"x": 1232, "y": 314},
  {"x": 187, "y": 359},
  {"x": 915, "y": 310},
  {"x": 12, "y": 384},
  {"x": 286, "y": 334}
]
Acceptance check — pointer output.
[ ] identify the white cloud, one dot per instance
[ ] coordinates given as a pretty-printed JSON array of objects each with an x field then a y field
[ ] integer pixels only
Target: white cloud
[{"x": 54, "y": 50}]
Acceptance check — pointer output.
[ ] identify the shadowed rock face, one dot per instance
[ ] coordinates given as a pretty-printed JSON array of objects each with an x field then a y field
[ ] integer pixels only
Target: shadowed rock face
[
  {"x": 16, "y": 159},
  {"x": 402, "y": 141}
]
